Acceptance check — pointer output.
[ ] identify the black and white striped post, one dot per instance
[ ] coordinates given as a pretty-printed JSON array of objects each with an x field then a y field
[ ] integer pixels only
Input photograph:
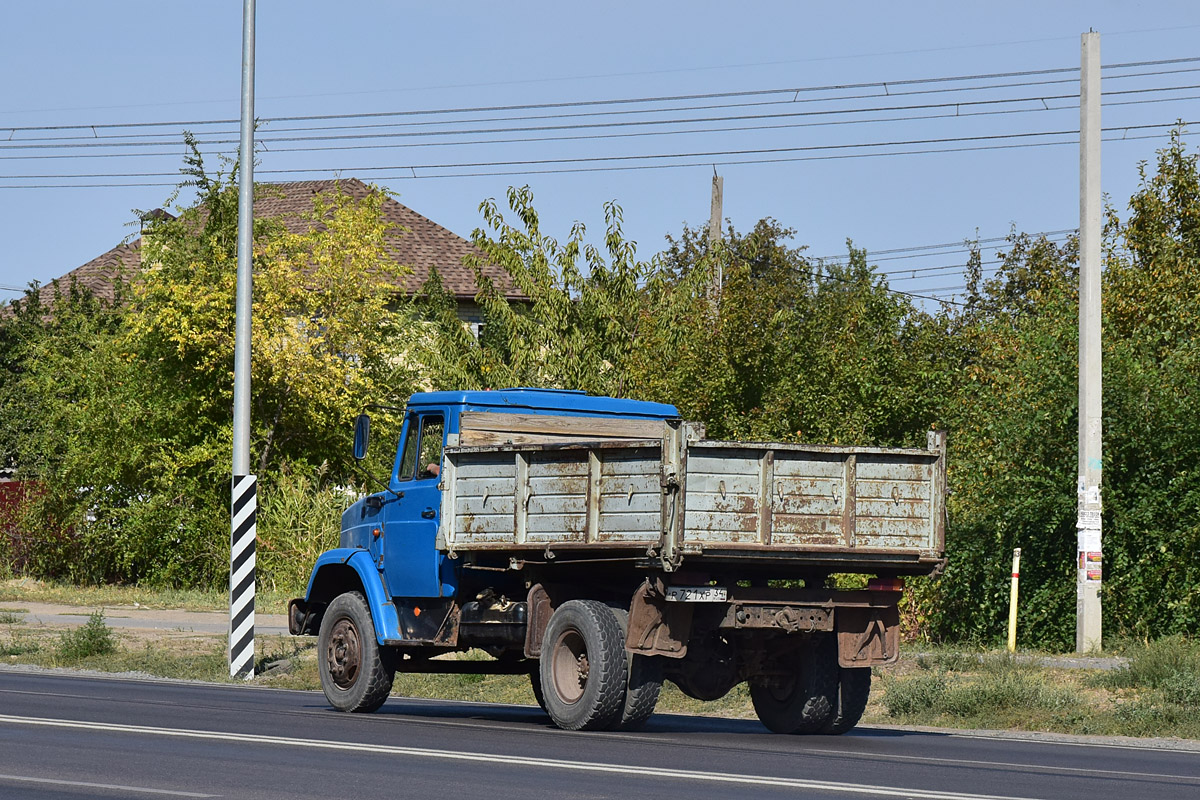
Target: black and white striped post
[
  {"x": 244, "y": 504},
  {"x": 241, "y": 576}
]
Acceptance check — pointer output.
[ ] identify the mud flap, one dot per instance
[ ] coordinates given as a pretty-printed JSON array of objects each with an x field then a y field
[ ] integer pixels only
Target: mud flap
[
  {"x": 656, "y": 627},
  {"x": 867, "y": 637}
]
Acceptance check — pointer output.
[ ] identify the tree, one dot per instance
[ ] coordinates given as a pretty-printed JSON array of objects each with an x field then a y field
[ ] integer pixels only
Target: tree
[
  {"x": 578, "y": 328},
  {"x": 795, "y": 350},
  {"x": 1013, "y": 422},
  {"x": 134, "y": 404}
]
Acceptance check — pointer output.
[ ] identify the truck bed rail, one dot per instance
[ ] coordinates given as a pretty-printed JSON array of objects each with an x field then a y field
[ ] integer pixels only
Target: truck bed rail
[{"x": 683, "y": 496}]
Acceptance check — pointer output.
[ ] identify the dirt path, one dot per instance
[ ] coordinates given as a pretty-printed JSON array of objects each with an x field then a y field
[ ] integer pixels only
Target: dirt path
[{"x": 138, "y": 618}]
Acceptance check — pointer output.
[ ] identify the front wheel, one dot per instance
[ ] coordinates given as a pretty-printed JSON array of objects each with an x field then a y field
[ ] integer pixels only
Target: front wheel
[
  {"x": 535, "y": 683},
  {"x": 354, "y": 671},
  {"x": 582, "y": 666}
]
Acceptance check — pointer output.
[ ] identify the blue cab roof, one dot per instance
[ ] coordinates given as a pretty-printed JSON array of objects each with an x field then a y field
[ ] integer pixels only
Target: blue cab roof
[{"x": 555, "y": 401}]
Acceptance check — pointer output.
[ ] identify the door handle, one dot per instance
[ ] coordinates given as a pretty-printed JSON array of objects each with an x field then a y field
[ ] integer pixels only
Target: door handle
[{"x": 429, "y": 513}]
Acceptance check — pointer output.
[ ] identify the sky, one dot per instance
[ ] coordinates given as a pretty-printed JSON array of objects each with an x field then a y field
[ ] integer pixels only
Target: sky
[{"x": 820, "y": 115}]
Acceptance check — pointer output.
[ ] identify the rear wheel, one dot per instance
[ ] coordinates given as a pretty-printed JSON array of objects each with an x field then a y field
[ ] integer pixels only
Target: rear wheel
[
  {"x": 355, "y": 673},
  {"x": 582, "y": 666},
  {"x": 643, "y": 682},
  {"x": 854, "y": 689},
  {"x": 802, "y": 699}
]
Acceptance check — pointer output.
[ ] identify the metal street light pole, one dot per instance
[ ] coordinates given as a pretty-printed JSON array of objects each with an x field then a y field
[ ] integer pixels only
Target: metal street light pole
[{"x": 244, "y": 504}]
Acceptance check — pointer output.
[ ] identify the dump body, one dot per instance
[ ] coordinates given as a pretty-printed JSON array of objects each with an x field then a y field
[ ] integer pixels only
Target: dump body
[{"x": 684, "y": 498}]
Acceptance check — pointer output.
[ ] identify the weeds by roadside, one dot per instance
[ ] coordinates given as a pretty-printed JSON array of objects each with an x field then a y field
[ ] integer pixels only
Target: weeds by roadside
[
  {"x": 995, "y": 685},
  {"x": 1156, "y": 694},
  {"x": 94, "y": 638},
  {"x": 1159, "y": 689}
]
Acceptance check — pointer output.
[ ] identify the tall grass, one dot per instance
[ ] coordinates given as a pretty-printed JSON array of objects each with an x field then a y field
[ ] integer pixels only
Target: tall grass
[
  {"x": 998, "y": 684},
  {"x": 299, "y": 518},
  {"x": 1169, "y": 660}
]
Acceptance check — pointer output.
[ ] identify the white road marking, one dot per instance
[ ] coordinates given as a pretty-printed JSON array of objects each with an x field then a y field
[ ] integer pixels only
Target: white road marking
[
  {"x": 117, "y": 787},
  {"x": 1023, "y": 766},
  {"x": 670, "y": 738},
  {"x": 520, "y": 761}
]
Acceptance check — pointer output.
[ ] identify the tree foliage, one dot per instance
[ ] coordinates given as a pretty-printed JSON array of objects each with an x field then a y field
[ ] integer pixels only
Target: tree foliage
[
  {"x": 124, "y": 413},
  {"x": 579, "y": 327},
  {"x": 1013, "y": 421}
]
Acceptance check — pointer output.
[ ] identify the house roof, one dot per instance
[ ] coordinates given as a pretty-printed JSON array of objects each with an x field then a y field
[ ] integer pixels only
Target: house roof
[{"x": 414, "y": 241}]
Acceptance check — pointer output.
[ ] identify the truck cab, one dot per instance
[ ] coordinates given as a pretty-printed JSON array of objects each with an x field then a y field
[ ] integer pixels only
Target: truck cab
[{"x": 398, "y": 526}]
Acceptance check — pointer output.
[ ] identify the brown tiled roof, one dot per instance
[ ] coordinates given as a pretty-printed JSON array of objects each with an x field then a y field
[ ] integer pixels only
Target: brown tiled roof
[
  {"x": 99, "y": 275},
  {"x": 414, "y": 240}
]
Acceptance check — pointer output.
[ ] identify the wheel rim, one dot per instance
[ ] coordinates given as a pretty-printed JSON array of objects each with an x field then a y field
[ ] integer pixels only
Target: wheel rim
[
  {"x": 570, "y": 666},
  {"x": 782, "y": 688},
  {"x": 343, "y": 657}
]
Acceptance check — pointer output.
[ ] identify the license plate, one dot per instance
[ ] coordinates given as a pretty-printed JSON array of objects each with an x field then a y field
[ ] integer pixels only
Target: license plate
[{"x": 697, "y": 594}]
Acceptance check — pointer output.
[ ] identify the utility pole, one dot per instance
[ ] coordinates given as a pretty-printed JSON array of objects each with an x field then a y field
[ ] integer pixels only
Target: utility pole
[
  {"x": 1089, "y": 554},
  {"x": 714, "y": 233},
  {"x": 244, "y": 504}
]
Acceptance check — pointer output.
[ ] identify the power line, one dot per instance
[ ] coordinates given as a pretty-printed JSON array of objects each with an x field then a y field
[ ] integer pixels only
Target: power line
[
  {"x": 410, "y": 172},
  {"x": 266, "y": 140},
  {"x": 525, "y": 140},
  {"x": 101, "y": 142},
  {"x": 960, "y": 243},
  {"x": 885, "y": 85},
  {"x": 633, "y": 157}
]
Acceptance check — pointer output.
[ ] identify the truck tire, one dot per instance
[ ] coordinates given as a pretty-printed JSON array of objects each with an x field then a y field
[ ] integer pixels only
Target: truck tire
[
  {"x": 709, "y": 670},
  {"x": 582, "y": 666},
  {"x": 355, "y": 672},
  {"x": 643, "y": 682},
  {"x": 535, "y": 683},
  {"x": 854, "y": 689},
  {"x": 803, "y": 700}
]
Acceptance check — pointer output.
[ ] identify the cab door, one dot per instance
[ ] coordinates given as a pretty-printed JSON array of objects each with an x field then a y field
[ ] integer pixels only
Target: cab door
[{"x": 410, "y": 558}]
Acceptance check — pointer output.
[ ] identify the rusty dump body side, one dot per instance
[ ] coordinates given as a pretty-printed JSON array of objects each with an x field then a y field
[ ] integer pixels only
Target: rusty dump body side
[{"x": 682, "y": 501}]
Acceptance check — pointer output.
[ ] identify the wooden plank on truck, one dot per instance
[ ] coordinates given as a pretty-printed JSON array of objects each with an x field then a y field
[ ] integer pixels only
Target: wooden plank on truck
[
  {"x": 478, "y": 428},
  {"x": 676, "y": 498}
]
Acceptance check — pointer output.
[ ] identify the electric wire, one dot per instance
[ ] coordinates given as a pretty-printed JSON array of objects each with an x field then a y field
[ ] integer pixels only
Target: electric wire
[
  {"x": 269, "y": 137},
  {"x": 625, "y": 101},
  {"x": 636, "y": 157}
]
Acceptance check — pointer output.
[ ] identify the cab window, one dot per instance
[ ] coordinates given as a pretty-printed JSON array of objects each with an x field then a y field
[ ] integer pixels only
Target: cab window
[
  {"x": 408, "y": 461},
  {"x": 429, "y": 465},
  {"x": 422, "y": 457}
]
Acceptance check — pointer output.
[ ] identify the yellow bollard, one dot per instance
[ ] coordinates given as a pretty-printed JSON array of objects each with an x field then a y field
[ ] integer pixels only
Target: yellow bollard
[{"x": 1012, "y": 602}]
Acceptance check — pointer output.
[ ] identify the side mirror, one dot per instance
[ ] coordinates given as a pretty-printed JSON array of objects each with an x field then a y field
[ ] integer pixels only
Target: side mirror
[{"x": 362, "y": 435}]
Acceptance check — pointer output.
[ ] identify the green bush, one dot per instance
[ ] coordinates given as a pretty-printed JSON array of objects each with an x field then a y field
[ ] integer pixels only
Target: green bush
[
  {"x": 916, "y": 695},
  {"x": 94, "y": 638}
]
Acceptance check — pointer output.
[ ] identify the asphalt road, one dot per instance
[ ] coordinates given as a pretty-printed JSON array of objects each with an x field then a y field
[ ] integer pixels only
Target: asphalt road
[{"x": 76, "y": 737}]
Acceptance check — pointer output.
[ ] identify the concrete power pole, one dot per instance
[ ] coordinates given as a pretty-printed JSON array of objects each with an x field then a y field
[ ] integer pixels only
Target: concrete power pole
[
  {"x": 244, "y": 505},
  {"x": 714, "y": 232},
  {"x": 1089, "y": 552}
]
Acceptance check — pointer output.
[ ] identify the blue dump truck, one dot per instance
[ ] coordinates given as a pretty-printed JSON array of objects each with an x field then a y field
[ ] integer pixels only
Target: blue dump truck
[{"x": 602, "y": 546}]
